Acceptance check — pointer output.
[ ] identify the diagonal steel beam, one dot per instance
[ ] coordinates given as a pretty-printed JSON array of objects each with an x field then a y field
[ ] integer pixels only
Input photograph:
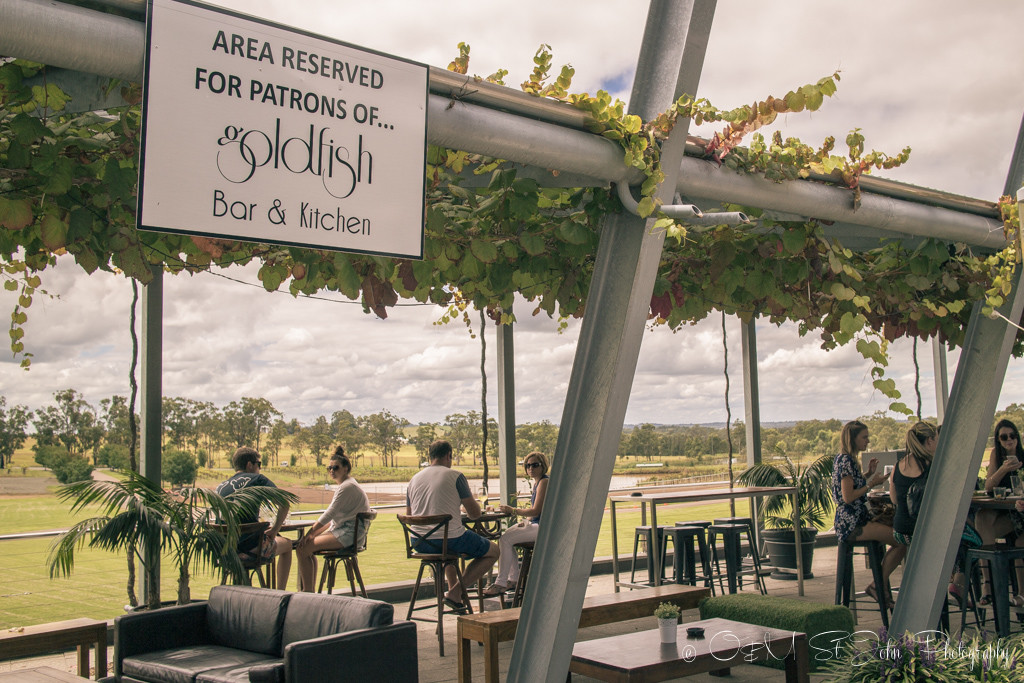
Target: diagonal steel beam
[
  {"x": 670, "y": 63},
  {"x": 972, "y": 403}
]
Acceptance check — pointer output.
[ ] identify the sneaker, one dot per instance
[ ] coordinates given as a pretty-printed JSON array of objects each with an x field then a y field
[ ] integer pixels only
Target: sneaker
[{"x": 495, "y": 589}]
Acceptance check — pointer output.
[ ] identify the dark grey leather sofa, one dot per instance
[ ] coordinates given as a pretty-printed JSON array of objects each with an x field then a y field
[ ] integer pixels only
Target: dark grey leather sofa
[{"x": 255, "y": 634}]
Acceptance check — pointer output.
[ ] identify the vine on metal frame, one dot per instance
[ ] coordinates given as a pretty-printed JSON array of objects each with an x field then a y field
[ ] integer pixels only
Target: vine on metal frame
[{"x": 67, "y": 186}]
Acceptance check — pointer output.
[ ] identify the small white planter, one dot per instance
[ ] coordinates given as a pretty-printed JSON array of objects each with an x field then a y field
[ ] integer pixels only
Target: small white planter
[{"x": 668, "y": 629}]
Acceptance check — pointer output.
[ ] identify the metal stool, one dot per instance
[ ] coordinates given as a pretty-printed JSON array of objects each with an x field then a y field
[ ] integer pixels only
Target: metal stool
[
  {"x": 1000, "y": 559},
  {"x": 844, "y": 574},
  {"x": 751, "y": 538},
  {"x": 652, "y": 543},
  {"x": 684, "y": 563},
  {"x": 524, "y": 572},
  {"x": 732, "y": 535}
]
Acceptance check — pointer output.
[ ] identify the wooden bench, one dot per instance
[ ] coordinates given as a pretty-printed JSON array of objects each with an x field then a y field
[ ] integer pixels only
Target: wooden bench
[
  {"x": 491, "y": 628},
  {"x": 60, "y": 635}
]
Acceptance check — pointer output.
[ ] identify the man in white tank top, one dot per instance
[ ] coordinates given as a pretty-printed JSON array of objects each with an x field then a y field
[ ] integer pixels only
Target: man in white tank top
[{"x": 439, "y": 490}]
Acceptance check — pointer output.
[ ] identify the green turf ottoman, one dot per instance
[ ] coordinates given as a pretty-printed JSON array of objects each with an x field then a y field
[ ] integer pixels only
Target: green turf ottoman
[{"x": 828, "y": 627}]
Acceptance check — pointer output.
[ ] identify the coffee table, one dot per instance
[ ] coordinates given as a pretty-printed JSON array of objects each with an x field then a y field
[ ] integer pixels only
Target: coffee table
[{"x": 640, "y": 656}]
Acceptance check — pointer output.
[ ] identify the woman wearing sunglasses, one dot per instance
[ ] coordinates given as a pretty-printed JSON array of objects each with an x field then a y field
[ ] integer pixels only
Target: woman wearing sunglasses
[
  {"x": 339, "y": 519},
  {"x": 536, "y": 467},
  {"x": 1004, "y": 461}
]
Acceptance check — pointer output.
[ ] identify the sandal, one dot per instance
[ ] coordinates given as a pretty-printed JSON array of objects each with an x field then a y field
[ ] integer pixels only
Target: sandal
[
  {"x": 873, "y": 593},
  {"x": 985, "y": 601},
  {"x": 1017, "y": 601},
  {"x": 954, "y": 592},
  {"x": 495, "y": 589},
  {"x": 456, "y": 606}
]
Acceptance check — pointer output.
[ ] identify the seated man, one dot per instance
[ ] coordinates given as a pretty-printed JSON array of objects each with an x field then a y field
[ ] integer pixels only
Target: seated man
[
  {"x": 247, "y": 464},
  {"x": 440, "y": 490}
]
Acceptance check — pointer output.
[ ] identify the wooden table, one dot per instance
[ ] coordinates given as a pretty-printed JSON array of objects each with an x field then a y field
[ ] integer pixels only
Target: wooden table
[
  {"x": 39, "y": 674},
  {"x": 641, "y": 656},
  {"x": 984, "y": 502},
  {"x": 299, "y": 525},
  {"x": 491, "y": 628},
  {"x": 61, "y": 635},
  {"x": 697, "y": 495},
  {"x": 487, "y": 524}
]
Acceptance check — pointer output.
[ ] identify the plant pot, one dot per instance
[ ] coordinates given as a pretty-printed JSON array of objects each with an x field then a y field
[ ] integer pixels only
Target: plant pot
[
  {"x": 782, "y": 552},
  {"x": 669, "y": 629}
]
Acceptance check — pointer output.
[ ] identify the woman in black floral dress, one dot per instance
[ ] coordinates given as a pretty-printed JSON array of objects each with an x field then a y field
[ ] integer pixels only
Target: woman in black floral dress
[{"x": 850, "y": 491}]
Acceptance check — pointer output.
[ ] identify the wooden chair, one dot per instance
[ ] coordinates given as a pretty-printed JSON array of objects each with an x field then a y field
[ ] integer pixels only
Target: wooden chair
[
  {"x": 420, "y": 528},
  {"x": 349, "y": 557},
  {"x": 252, "y": 563}
]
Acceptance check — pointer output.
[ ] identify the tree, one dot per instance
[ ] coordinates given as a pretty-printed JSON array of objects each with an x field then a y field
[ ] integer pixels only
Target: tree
[
  {"x": 426, "y": 434},
  {"x": 464, "y": 434},
  {"x": 348, "y": 432},
  {"x": 536, "y": 436},
  {"x": 274, "y": 440},
  {"x": 12, "y": 430},
  {"x": 179, "y": 467},
  {"x": 644, "y": 441},
  {"x": 385, "y": 434},
  {"x": 317, "y": 438},
  {"x": 181, "y": 422},
  {"x": 71, "y": 423},
  {"x": 114, "y": 419},
  {"x": 246, "y": 420}
]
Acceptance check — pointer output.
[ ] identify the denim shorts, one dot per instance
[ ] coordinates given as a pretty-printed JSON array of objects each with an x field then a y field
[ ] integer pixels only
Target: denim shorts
[{"x": 468, "y": 543}]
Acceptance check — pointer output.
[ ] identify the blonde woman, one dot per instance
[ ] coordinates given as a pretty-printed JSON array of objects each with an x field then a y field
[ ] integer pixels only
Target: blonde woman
[
  {"x": 536, "y": 467},
  {"x": 850, "y": 491}
]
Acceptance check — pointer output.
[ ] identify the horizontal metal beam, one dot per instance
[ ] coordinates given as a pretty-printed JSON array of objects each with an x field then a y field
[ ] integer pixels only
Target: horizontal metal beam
[{"x": 499, "y": 122}]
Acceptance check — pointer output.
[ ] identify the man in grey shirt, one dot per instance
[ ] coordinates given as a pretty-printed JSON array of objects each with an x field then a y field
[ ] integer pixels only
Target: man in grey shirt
[{"x": 440, "y": 490}]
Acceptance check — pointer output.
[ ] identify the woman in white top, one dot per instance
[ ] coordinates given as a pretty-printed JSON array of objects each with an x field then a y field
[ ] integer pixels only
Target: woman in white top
[
  {"x": 339, "y": 519},
  {"x": 536, "y": 466}
]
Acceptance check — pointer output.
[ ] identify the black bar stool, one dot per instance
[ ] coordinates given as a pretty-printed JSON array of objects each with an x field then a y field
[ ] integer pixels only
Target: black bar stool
[
  {"x": 653, "y": 543},
  {"x": 844, "y": 574},
  {"x": 732, "y": 536},
  {"x": 684, "y": 563},
  {"x": 751, "y": 538},
  {"x": 1000, "y": 559}
]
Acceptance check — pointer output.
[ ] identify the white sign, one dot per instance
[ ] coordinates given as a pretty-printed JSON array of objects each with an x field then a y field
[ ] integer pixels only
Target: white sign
[{"x": 263, "y": 133}]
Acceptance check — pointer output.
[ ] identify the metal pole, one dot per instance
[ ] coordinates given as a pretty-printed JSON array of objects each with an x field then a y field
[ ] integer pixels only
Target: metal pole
[
  {"x": 941, "y": 379},
  {"x": 972, "y": 403},
  {"x": 751, "y": 393},
  {"x": 150, "y": 405},
  {"x": 506, "y": 414},
  {"x": 670, "y": 63}
]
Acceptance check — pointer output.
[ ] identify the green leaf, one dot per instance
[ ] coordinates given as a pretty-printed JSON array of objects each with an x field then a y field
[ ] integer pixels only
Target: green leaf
[
  {"x": 645, "y": 207},
  {"x": 28, "y": 129},
  {"x": 573, "y": 233},
  {"x": 483, "y": 250},
  {"x": 54, "y": 232},
  {"x": 793, "y": 241},
  {"x": 842, "y": 292},
  {"x": 532, "y": 244},
  {"x": 15, "y": 214},
  {"x": 349, "y": 283}
]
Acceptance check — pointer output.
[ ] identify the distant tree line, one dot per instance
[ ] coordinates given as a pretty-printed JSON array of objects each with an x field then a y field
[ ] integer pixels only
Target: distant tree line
[{"x": 72, "y": 436}]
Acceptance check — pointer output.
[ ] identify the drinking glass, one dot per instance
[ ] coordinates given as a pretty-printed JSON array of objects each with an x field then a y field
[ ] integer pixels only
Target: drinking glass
[{"x": 1018, "y": 489}]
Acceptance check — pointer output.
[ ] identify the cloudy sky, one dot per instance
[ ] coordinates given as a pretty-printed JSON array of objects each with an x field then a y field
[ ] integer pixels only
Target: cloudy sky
[{"x": 942, "y": 77}]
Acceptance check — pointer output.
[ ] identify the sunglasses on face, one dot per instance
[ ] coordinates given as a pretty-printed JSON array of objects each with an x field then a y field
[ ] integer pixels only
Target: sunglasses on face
[
  {"x": 1007, "y": 437},
  {"x": 331, "y": 468},
  {"x": 531, "y": 465}
]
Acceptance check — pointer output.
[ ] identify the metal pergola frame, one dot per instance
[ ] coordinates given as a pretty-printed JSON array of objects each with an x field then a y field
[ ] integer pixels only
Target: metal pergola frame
[{"x": 88, "y": 45}]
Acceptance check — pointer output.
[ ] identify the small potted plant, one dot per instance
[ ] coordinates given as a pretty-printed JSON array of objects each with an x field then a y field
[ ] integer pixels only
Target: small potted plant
[{"x": 667, "y": 614}]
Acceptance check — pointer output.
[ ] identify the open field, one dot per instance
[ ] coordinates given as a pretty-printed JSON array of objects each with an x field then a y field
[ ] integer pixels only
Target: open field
[{"x": 96, "y": 588}]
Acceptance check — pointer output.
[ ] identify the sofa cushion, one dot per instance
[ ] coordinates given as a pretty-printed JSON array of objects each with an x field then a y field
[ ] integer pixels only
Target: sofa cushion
[
  {"x": 246, "y": 618},
  {"x": 311, "y": 615},
  {"x": 240, "y": 674},
  {"x": 182, "y": 665}
]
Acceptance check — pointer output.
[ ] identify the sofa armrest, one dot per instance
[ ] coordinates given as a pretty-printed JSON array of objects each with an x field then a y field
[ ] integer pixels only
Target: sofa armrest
[
  {"x": 267, "y": 673},
  {"x": 382, "y": 654},
  {"x": 160, "y": 629}
]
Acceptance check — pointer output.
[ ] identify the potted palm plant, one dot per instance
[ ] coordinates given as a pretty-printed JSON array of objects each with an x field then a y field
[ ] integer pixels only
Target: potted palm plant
[
  {"x": 814, "y": 488},
  {"x": 141, "y": 518}
]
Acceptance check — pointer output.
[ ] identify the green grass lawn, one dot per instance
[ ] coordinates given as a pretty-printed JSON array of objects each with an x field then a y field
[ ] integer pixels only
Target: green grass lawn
[{"x": 96, "y": 588}]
